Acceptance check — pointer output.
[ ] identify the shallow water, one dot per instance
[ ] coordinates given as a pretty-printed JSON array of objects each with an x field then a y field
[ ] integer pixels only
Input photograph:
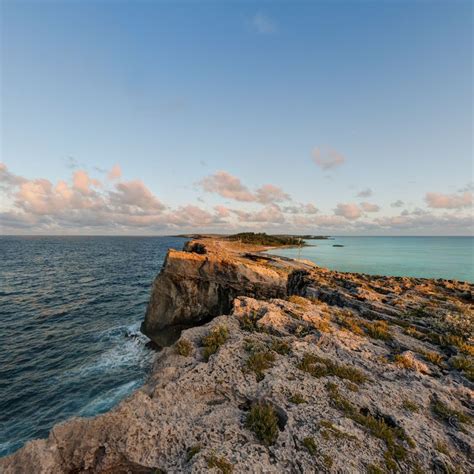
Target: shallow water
[
  {"x": 70, "y": 312},
  {"x": 427, "y": 257}
]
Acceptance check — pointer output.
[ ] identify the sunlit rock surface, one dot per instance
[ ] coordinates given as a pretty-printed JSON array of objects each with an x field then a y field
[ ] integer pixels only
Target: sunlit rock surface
[{"x": 338, "y": 373}]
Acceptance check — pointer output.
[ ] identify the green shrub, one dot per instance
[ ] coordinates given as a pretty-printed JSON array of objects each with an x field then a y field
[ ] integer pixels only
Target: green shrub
[
  {"x": 192, "y": 451},
  {"x": 184, "y": 347},
  {"x": 310, "y": 445},
  {"x": 448, "y": 414},
  {"x": 410, "y": 406},
  {"x": 259, "y": 362},
  {"x": 322, "y": 367},
  {"x": 394, "y": 437},
  {"x": 216, "y": 337},
  {"x": 279, "y": 346},
  {"x": 265, "y": 239},
  {"x": 220, "y": 463},
  {"x": 296, "y": 398},
  {"x": 263, "y": 421}
]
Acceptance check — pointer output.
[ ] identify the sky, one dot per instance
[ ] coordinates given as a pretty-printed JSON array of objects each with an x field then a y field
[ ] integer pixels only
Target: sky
[{"x": 162, "y": 117}]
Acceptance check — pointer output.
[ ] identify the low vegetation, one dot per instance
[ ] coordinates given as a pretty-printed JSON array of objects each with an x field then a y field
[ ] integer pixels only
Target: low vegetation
[
  {"x": 394, "y": 437},
  {"x": 221, "y": 463},
  {"x": 328, "y": 430},
  {"x": 249, "y": 322},
  {"x": 378, "y": 330},
  {"x": 463, "y": 364},
  {"x": 448, "y": 414},
  {"x": 216, "y": 337},
  {"x": 184, "y": 347},
  {"x": 296, "y": 398},
  {"x": 262, "y": 238},
  {"x": 405, "y": 361},
  {"x": 280, "y": 347},
  {"x": 310, "y": 445},
  {"x": 410, "y": 406},
  {"x": 322, "y": 367},
  {"x": 259, "y": 362},
  {"x": 192, "y": 451},
  {"x": 434, "y": 358},
  {"x": 263, "y": 421}
]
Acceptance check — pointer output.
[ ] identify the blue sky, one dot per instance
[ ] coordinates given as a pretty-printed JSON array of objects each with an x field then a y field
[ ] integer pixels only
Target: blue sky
[{"x": 262, "y": 92}]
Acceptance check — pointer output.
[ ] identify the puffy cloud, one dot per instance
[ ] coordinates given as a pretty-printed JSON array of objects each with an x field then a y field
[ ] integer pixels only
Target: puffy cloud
[
  {"x": 228, "y": 186},
  {"x": 269, "y": 214},
  {"x": 135, "y": 195},
  {"x": 369, "y": 207},
  {"x": 301, "y": 209},
  {"x": 83, "y": 183},
  {"x": 397, "y": 203},
  {"x": 367, "y": 192},
  {"x": 263, "y": 24},
  {"x": 269, "y": 193},
  {"x": 115, "y": 173},
  {"x": 9, "y": 180},
  {"x": 449, "y": 201},
  {"x": 350, "y": 211},
  {"x": 329, "y": 160}
]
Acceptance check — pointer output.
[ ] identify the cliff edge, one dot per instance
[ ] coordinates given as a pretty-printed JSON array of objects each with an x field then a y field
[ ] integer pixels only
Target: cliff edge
[{"x": 320, "y": 371}]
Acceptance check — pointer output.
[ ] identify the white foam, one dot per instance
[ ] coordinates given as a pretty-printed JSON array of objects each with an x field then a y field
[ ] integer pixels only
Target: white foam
[{"x": 108, "y": 399}]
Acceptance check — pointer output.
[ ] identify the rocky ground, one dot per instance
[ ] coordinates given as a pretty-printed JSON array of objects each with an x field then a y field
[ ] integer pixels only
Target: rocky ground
[{"x": 338, "y": 373}]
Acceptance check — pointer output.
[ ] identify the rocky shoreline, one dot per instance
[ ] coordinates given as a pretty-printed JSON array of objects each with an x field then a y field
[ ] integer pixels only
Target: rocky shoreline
[{"x": 284, "y": 366}]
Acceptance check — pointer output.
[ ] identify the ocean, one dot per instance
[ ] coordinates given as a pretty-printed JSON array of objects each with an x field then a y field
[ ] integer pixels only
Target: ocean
[
  {"x": 71, "y": 308},
  {"x": 428, "y": 257},
  {"x": 70, "y": 312}
]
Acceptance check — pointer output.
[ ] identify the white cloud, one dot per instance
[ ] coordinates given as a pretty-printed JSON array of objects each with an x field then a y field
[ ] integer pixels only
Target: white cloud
[
  {"x": 369, "y": 207},
  {"x": 350, "y": 211},
  {"x": 328, "y": 160},
  {"x": 449, "y": 201},
  {"x": 263, "y": 24}
]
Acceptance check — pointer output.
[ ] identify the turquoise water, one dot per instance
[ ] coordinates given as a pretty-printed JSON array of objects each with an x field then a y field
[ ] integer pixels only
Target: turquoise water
[{"x": 428, "y": 257}]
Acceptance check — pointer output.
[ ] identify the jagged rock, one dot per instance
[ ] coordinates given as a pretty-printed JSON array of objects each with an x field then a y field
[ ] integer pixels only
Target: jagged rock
[
  {"x": 342, "y": 402},
  {"x": 194, "y": 287}
]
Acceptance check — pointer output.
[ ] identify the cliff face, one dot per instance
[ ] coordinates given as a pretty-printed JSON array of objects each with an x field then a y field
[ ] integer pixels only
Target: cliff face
[
  {"x": 348, "y": 374},
  {"x": 202, "y": 281}
]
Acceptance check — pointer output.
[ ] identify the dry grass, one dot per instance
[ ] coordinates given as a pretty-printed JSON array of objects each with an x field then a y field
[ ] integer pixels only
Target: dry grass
[
  {"x": 434, "y": 358},
  {"x": 299, "y": 300},
  {"x": 378, "y": 330},
  {"x": 404, "y": 361}
]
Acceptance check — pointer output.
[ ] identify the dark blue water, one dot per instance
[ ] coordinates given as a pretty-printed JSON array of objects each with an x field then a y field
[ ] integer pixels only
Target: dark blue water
[{"x": 67, "y": 305}]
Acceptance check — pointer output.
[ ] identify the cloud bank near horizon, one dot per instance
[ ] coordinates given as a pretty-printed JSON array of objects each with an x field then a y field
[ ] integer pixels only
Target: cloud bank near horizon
[{"x": 87, "y": 205}]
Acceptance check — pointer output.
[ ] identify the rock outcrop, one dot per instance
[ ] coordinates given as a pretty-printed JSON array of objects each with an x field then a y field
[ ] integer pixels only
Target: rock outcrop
[
  {"x": 202, "y": 281},
  {"x": 348, "y": 373}
]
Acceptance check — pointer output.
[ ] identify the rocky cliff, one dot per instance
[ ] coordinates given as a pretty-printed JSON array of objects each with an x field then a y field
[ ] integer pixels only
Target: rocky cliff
[
  {"x": 202, "y": 281},
  {"x": 320, "y": 372}
]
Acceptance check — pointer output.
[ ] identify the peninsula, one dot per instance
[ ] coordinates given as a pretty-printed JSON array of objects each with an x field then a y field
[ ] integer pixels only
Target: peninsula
[{"x": 276, "y": 365}]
